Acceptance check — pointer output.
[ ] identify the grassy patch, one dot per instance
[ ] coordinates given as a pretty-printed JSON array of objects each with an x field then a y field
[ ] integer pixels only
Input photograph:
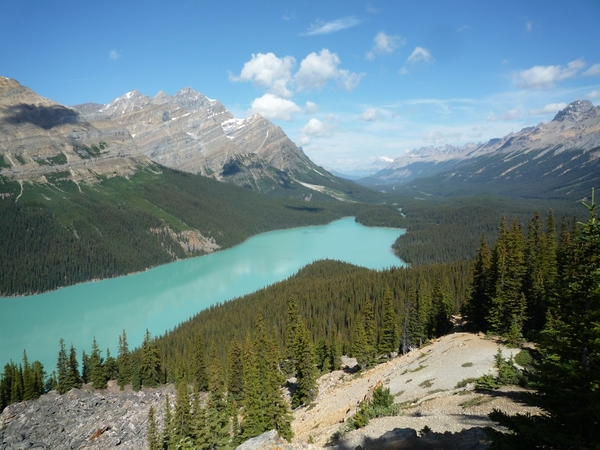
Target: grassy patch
[
  {"x": 4, "y": 163},
  {"x": 435, "y": 391},
  {"x": 58, "y": 160},
  {"x": 421, "y": 367},
  {"x": 479, "y": 400},
  {"x": 427, "y": 383},
  {"x": 463, "y": 383}
]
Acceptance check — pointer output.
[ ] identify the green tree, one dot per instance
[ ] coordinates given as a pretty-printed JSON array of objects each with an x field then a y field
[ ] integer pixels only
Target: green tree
[
  {"x": 62, "y": 367},
  {"x": 97, "y": 373},
  {"x": 567, "y": 373},
  {"x": 235, "y": 372},
  {"x": 123, "y": 362},
  {"x": 150, "y": 362},
  {"x": 478, "y": 305},
  {"x": 306, "y": 371},
  {"x": 199, "y": 366},
  {"x": 182, "y": 417},
  {"x": 153, "y": 434},
  {"x": 389, "y": 339}
]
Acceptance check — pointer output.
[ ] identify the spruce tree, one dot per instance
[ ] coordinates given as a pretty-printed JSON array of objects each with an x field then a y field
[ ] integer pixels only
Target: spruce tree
[
  {"x": 359, "y": 345},
  {"x": 306, "y": 371},
  {"x": 29, "y": 388},
  {"x": 389, "y": 340},
  {"x": 567, "y": 373},
  {"x": 153, "y": 434},
  {"x": 150, "y": 362},
  {"x": 97, "y": 373},
  {"x": 479, "y": 301},
  {"x": 235, "y": 372},
  {"x": 199, "y": 365},
  {"x": 182, "y": 418},
  {"x": 85, "y": 367},
  {"x": 253, "y": 421},
  {"x": 62, "y": 367},
  {"x": 72, "y": 378},
  {"x": 370, "y": 329},
  {"x": 124, "y": 362}
]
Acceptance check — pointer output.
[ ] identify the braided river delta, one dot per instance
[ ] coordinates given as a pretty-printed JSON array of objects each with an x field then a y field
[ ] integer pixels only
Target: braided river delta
[{"x": 162, "y": 297}]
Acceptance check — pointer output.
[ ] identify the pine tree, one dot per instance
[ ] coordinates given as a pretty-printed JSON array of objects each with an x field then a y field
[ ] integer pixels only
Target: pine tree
[
  {"x": 253, "y": 422},
  {"x": 123, "y": 362},
  {"x": 199, "y": 366},
  {"x": 389, "y": 340},
  {"x": 568, "y": 372},
  {"x": 29, "y": 389},
  {"x": 235, "y": 372},
  {"x": 62, "y": 367},
  {"x": 111, "y": 370},
  {"x": 85, "y": 367},
  {"x": 306, "y": 371},
  {"x": 479, "y": 301},
  {"x": 217, "y": 410},
  {"x": 168, "y": 432},
  {"x": 277, "y": 411},
  {"x": 150, "y": 362},
  {"x": 182, "y": 418},
  {"x": 97, "y": 374},
  {"x": 293, "y": 317},
  {"x": 443, "y": 309},
  {"x": 153, "y": 434},
  {"x": 370, "y": 329},
  {"x": 72, "y": 378},
  {"x": 359, "y": 345}
]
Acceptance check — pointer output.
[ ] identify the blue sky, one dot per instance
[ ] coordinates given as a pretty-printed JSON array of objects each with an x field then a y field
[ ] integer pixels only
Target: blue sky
[{"x": 349, "y": 81}]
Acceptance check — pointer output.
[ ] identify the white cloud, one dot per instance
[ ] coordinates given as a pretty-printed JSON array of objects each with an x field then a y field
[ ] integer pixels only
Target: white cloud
[
  {"x": 385, "y": 44},
  {"x": 594, "y": 94},
  {"x": 316, "y": 69},
  {"x": 268, "y": 71},
  {"x": 313, "y": 129},
  {"x": 114, "y": 55},
  {"x": 508, "y": 115},
  {"x": 551, "y": 108},
  {"x": 320, "y": 27},
  {"x": 419, "y": 56},
  {"x": 370, "y": 115},
  {"x": 544, "y": 77},
  {"x": 311, "y": 108},
  {"x": 592, "y": 71},
  {"x": 529, "y": 26},
  {"x": 273, "y": 107}
]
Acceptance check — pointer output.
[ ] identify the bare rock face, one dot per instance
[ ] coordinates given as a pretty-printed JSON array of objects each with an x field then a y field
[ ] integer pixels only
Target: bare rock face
[
  {"x": 186, "y": 131},
  {"x": 81, "y": 419}
]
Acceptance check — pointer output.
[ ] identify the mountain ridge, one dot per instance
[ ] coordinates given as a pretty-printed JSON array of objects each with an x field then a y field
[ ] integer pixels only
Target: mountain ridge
[{"x": 560, "y": 156}]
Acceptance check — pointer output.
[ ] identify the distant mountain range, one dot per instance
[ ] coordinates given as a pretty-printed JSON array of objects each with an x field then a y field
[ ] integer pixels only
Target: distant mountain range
[
  {"x": 558, "y": 159},
  {"x": 186, "y": 131}
]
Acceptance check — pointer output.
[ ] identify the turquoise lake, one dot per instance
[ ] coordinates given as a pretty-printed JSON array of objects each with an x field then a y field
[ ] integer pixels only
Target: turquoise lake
[{"x": 160, "y": 298}]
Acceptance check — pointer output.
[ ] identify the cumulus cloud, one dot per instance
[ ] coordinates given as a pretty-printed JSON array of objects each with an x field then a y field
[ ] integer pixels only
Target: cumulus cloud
[
  {"x": 268, "y": 71},
  {"x": 114, "y": 55},
  {"x": 273, "y": 107},
  {"x": 594, "y": 94},
  {"x": 551, "y": 108},
  {"x": 371, "y": 115},
  {"x": 592, "y": 71},
  {"x": 316, "y": 69},
  {"x": 508, "y": 115},
  {"x": 315, "y": 128},
  {"x": 420, "y": 56},
  {"x": 385, "y": 44},
  {"x": 321, "y": 27},
  {"x": 311, "y": 108},
  {"x": 545, "y": 77}
]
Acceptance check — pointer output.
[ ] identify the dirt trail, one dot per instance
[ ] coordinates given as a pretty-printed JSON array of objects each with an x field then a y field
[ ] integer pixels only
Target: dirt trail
[{"x": 424, "y": 381}]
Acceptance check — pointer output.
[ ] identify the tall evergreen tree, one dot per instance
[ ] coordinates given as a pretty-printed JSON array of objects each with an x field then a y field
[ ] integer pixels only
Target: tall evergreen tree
[
  {"x": 479, "y": 301},
  {"x": 97, "y": 373},
  {"x": 62, "y": 367},
  {"x": 568, "y": 372},
  {"x": 389, "y": 340},
  {"x": 29, "y": 388},
  {"x": 306, "y": 371},
  {"x": 150, "y": 362},
  {"x": 153, "y": 434},
  {"x": 182, "y": 417},
  {"x": 199, "y": 365},
  {"x": 123, "y": 362},
  {"x": 235, "y": 372}
]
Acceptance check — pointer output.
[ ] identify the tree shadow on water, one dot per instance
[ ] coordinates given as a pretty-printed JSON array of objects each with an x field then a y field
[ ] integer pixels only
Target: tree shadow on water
[{"x": 46, "y": 117}]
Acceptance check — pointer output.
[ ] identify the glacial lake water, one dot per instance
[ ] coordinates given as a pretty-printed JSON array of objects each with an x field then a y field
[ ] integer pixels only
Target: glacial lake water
[{"x": 160, "y": 298}]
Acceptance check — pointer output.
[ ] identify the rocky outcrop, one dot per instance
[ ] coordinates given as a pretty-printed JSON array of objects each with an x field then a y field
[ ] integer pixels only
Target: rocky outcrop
[{"x": 81, "y": 419}]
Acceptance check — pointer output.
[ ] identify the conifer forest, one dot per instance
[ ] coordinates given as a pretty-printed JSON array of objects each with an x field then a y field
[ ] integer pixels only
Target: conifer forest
[{"x": 241, "y": 367}]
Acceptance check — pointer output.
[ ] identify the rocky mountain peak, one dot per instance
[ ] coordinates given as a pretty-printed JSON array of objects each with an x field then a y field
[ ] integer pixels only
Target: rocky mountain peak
[
  {"x": 7, "y": 84},
  {"x": 575, "y": 111}
]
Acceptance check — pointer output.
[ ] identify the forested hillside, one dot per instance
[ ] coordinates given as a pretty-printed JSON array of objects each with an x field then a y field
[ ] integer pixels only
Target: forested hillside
[{"x": 60, "y": 232}]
